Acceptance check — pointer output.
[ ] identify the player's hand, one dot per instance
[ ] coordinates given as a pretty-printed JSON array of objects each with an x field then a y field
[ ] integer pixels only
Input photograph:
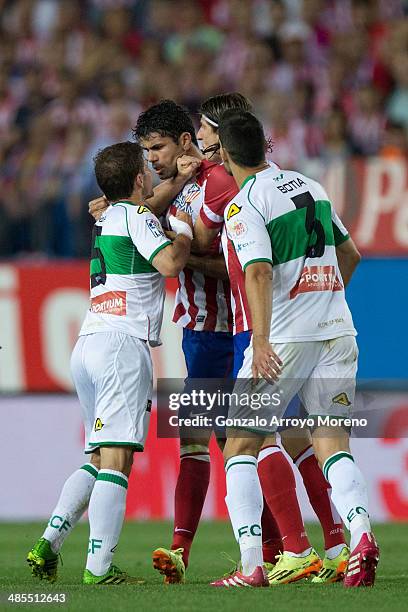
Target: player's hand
[
  {"x": 187, "y": 166},
  {"x": 185, "y": 217},
  {"x": 182, "y": 224},
  {"x": 97, "y": 207},
  {"x": 265, "y": 362}
]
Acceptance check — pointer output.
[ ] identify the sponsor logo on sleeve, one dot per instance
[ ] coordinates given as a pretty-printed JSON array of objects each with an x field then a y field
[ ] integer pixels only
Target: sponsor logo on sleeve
[
  {"x": 243, "y": 246},
  {"x": 233, "y": 210},
  {"x": 155, "y": 227},
  {"x": 111, "y": 302},
  {"x": 236, "y": 229},
  {"x": 316, "y": 278}
]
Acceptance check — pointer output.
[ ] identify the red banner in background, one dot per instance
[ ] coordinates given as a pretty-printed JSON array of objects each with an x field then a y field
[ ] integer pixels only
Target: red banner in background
[{"x": 371, "y": 198}]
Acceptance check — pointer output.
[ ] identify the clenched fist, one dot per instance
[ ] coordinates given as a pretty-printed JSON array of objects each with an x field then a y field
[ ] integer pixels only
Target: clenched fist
[
  {"x": 97, "y": 207},
  {"x": 187, "y": 166}
]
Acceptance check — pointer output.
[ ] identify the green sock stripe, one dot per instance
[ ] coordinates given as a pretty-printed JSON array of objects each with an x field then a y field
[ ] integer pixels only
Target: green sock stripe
[
  {"x": 240, "y": 463},
  {"x": 90, "y": 469},
  {"x": 332, "y": 460},
  {"x": 119, "y": 480}
]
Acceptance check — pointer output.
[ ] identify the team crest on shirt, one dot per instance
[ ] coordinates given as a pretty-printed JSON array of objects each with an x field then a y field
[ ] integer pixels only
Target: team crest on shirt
[
  {"x": 142, "y": 209},
  {"x": 341, "y": 399},
  {"x": 185, "y": 198},
  {"x": 233, "y": 210},
  {"x": 98, "y": 425},
  {"x": 155, "y": 227}
]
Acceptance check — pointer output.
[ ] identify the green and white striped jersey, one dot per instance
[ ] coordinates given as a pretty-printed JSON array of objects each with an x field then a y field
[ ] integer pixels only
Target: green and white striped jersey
[
  {"x": 287, "y": 219},
  {"x": 127, "y": 292}
]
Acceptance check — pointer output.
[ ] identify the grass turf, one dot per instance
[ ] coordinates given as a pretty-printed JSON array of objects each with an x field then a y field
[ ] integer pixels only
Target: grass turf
[{"x": 134, "y": 555}]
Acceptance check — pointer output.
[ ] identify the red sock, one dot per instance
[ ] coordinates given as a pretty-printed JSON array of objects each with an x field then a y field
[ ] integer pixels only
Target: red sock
[
  {"x": 191, "y": 489},
  {"x": 279, "y": 489},
  {"x": 318, "y": 491},
  {"x": 271, "y": 538}
]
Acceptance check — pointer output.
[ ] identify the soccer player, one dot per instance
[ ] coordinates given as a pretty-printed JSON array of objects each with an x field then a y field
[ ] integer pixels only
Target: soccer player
[
  {"x": 271, "y": 463},
  {"x": 289, "y": 242},
  {"x": 111, "y": 365},
  {"x": 202, "y": 309}
]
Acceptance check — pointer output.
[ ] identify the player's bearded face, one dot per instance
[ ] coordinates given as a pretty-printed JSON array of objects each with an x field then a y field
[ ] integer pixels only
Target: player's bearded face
[{"x": 162, "y": 152}]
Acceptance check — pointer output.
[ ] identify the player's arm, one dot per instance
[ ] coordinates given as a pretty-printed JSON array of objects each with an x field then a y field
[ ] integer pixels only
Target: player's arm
[
  {"x": 220, "y": 189},
  {"x": 258, "y": 287},
  {"x": 171, "y": 259},
  {"x": 212, "y": 266},
  {"x": 147, "y": 234},
  {"x": 348, "y": 258},
  {"x": 347, "y": 254},
  {"x": 247, "y": 230},
  {"x": 204, "y": 236},
  {"x": 163, "y": 194}
]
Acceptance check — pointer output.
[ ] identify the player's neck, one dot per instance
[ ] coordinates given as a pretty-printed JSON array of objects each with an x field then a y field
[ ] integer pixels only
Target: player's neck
[
  {"x": 135, "y": 198},
  {"x": 194, "y": 151},
  {"x": 241, "y": 174}
]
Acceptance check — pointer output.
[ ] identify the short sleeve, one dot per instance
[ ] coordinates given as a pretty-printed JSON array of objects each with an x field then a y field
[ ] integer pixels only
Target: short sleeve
[
  {"x": 219, "y": 190},
  {"x": 146, "y": 232},
  {"x": 339, "y": 231},
  {"x": 247, "y": 231}
]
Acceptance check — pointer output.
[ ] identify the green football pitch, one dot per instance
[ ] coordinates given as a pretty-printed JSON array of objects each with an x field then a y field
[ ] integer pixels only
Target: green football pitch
[{"x": 206, "y": 562}]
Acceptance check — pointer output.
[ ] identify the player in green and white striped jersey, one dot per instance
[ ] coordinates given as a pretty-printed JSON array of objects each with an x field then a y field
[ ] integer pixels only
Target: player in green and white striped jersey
[
  {"x": 111, "y": 364},
  {"x": 287, "y": 239}
]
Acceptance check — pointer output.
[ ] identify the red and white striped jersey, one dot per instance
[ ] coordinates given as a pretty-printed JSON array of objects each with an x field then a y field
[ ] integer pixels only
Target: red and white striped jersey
[
  {"x": 239, "y": 304},
  {"x": 203, "y": 303}
]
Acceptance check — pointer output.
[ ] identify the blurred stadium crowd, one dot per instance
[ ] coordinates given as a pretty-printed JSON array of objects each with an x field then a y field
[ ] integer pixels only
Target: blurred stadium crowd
[{"x": 329, "y": 78}]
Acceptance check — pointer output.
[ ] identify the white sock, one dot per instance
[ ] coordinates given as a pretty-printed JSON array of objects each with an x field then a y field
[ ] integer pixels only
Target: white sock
[
  {"x": 106, "y": 513},
  {"x": 72, "y": 503},
  {"x": 334, "y": 551},
  {"x": 349, "y": 494},
  {"x": 304, "y": 553},
  {"x": 245, "y": 503}
]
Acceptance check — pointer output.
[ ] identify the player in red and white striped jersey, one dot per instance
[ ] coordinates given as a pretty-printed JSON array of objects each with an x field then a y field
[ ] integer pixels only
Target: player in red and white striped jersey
[
  {"x": 202, "y": 308},
  {"x": 203, "y": 302}
]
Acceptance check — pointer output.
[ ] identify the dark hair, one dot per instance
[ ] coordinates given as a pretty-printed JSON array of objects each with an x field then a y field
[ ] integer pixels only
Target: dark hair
[
  {"x": 215, "y": 106},
  {"x": 167, "y": 119},
  {"x": 241, "y": 135},
  {"x": 116, "y": 168}
]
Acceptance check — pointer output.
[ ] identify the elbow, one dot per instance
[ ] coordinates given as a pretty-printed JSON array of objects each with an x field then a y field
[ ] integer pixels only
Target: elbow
[
  {"x": 354, "y": 258},
  {"x": 171, "y": 270},
  {"x": 259, "y": 273}
]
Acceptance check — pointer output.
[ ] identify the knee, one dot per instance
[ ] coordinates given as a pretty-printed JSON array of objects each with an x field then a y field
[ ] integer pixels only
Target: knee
[
  {"x": 119, "y": 459},
  {"x": 241, "y": 446},
  {"x": 96, "y": 459}
]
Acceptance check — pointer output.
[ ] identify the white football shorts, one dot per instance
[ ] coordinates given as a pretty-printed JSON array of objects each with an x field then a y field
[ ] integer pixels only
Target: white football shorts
[
  {"x": 113, "y": 377},
  {"x": 322, "y": 373}
]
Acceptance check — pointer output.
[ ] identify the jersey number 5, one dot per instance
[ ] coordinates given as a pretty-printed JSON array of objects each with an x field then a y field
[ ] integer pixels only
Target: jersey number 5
[
  {"x": 305, "y": 200},
  {"x": 98, "y": 277}
]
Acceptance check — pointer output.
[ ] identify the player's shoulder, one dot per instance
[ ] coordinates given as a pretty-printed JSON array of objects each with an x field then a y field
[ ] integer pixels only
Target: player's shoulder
[
  {"x": 129, "y": 213},
  {"x": 218, "y": 178}
]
